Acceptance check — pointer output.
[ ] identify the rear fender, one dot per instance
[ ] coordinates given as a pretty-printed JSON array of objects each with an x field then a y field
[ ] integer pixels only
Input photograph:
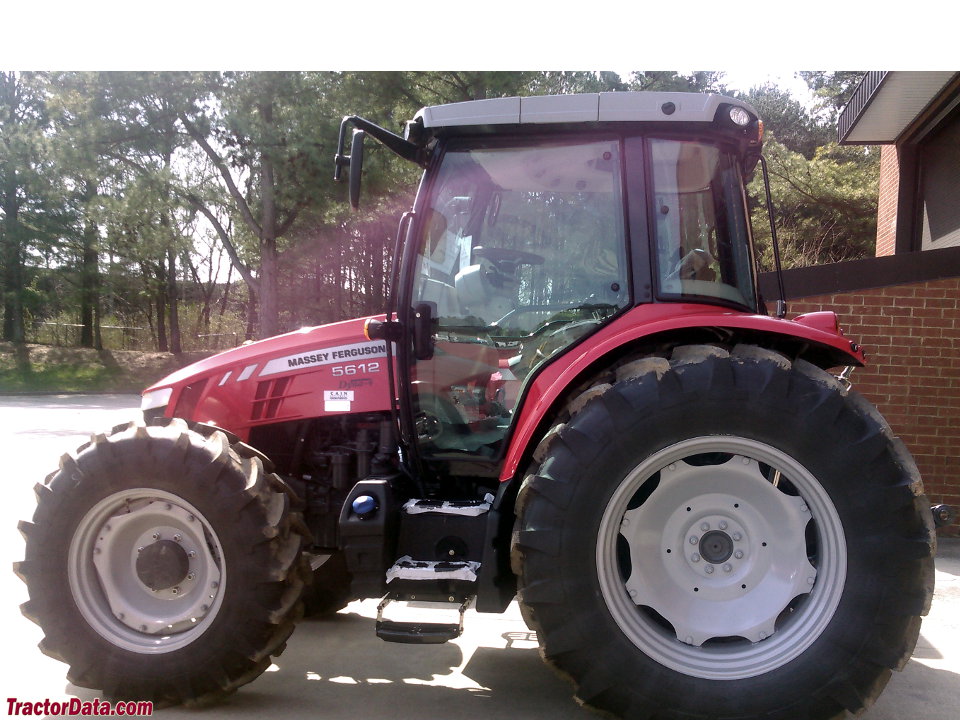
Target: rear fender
[{"x": 815, "y": 336}]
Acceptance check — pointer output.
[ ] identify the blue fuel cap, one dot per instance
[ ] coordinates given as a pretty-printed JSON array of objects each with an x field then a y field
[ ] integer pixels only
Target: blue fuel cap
[{"x": 364, "y": 506}]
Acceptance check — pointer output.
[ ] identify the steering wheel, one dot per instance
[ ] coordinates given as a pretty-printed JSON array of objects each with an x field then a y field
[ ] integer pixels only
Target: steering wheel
[
  {"x": 507, "y": 260},
  {"x": 502, "y": 322}
]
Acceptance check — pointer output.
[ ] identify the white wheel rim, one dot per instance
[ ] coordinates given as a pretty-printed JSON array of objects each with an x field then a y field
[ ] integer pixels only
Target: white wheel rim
[
  {"x": 114, "y": 599},
  {"x": 718, "y": 584}
]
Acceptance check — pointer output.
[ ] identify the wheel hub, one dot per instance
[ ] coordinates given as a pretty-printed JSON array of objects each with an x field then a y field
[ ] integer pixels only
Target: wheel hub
[
  {"x": 705, "y": 557},
  {"x": 162, "y": 565},
  {"x": 716, "y": 547},
  {"x": 146, "y": 569},
  {"x": 730, "y": 562}
]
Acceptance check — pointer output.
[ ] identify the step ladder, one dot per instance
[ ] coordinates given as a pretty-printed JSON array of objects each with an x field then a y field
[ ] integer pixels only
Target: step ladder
[
  {"x": 418, "y": 631},
  {"x": 426, "y": 586}
]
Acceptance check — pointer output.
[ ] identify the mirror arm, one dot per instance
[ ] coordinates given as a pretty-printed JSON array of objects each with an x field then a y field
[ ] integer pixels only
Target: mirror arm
[{"x": 404, "y": 148}]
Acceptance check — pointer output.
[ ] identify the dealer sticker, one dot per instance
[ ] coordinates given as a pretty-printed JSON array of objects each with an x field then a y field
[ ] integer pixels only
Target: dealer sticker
[{"x": 337, "y": 400}]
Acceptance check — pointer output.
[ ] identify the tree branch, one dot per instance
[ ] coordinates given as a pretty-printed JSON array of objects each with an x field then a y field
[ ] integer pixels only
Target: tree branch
[
  {"x": 291, "y": 217},
  {"x": 224, "y": 173},
  {"x": 202, "y": 208},
  {"x": 228, "y": 245}
]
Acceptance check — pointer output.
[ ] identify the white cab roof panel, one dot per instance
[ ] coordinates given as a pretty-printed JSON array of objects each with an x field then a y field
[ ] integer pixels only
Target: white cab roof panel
[{"x": 587, "y": 107}]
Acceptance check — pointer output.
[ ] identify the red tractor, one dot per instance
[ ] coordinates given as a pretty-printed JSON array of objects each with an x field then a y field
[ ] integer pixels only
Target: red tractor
[{"x": 576, "y": 399}]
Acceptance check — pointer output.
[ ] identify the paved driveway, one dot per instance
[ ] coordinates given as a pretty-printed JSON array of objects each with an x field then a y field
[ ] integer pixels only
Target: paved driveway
[{"x": 337, "y": 668}]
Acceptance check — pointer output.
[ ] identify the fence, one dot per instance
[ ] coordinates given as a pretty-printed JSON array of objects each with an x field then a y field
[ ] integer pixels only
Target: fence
[{"x": 122, "y": 337}]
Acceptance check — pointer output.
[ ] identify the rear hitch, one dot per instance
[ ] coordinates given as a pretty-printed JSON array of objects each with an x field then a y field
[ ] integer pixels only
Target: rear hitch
[{"x": 943, "y": 515}]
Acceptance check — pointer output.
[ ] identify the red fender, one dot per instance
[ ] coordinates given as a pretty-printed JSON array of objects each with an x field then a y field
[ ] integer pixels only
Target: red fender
[{"x": 820, "y": 329}]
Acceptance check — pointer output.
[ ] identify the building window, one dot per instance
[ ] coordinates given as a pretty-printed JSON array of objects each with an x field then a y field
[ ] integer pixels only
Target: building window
[{"x": 940, "y": 187}]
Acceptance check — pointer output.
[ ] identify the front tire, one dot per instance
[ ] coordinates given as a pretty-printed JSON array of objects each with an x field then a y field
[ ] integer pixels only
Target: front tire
[
  {"x": 163, "y": 565},
  {"x": 329, "y": 588},
  {"x": 724, "y": 535}
]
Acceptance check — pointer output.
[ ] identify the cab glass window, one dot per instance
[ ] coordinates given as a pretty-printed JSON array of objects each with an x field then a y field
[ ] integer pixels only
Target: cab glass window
[
  {"x": 521, "y": 254},
  {"x": 701, "y": 233}
]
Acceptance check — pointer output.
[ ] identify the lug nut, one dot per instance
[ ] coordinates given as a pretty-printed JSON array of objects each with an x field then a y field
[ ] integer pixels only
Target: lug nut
[
  {"x": 709, "y": 569},
  {"x": 176, "y": 538},
  {"x": 737, "y": 536},
  {"x": 694, "y": 539},
  {"x": 704, "y": 526},
  {"x": 695, "y": 557},
  {"x": 723, "y": 524},
  {"x": 727, "y": 567},
  {"x": 738, "y": 554}
]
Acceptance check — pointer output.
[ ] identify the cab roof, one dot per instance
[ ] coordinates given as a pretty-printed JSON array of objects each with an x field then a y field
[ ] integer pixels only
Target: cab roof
[{"x": 587, "y": 107}]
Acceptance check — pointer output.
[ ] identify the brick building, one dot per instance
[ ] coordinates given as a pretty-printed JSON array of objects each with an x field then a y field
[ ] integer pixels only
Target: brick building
[{"x": 904, "y": 304}]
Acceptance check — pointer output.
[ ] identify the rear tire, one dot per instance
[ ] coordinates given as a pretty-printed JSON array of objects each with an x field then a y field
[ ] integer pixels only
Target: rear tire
[
  {"x": 162, "y": 565},
  {"x": 724, "y": 535}
]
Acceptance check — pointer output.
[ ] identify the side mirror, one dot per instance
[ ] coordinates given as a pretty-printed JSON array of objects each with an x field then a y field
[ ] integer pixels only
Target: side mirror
[
  {"x": 354, "y": 160},
  {"x": 356, "y": 167}
]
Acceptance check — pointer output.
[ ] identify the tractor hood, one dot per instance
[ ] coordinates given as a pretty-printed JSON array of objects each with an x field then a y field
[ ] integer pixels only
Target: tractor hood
[{"x": 314, "y": 371}]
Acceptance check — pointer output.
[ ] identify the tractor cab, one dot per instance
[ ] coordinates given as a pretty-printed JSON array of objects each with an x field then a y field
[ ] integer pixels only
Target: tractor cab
[{"x": 540, "y": 221}]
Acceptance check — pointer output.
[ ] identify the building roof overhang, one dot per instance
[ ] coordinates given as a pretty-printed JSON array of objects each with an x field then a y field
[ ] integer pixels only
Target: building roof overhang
[{"x": 887, "y": 104}]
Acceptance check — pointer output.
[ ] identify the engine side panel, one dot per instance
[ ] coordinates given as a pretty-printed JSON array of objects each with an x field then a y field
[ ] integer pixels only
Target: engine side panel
[{"x": 312, "y": 373}]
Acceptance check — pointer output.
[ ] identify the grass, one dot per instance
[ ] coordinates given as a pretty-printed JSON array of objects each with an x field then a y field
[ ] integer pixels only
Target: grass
[
  {"x": 42, "y": 369},
  {"x": 59, "y": 379}
]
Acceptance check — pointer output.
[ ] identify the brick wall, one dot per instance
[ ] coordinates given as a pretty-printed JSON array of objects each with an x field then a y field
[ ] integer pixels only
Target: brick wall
[
  {"x": 887, "y": 200},
  {"x": 911, "y": 334}
]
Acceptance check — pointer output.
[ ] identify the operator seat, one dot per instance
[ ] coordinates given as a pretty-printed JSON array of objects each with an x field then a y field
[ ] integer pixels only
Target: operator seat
[{"x": 485, "y": 292}]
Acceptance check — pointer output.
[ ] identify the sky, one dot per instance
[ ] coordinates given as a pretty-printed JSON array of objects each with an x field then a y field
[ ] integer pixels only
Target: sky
[
  {"x": 751, "y": 38},
  {"x": 751, "y": 42},
  {"x": 744, "y": 80}
]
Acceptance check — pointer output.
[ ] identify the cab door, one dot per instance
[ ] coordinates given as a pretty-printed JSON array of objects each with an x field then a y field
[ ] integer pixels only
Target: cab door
[{"x": 521, "y": 253}]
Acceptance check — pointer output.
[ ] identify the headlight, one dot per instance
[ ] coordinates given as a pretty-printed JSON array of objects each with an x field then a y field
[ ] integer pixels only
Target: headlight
[
  {"x": 155, "y": 399},
  {"x": 739, "y": 116}
]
